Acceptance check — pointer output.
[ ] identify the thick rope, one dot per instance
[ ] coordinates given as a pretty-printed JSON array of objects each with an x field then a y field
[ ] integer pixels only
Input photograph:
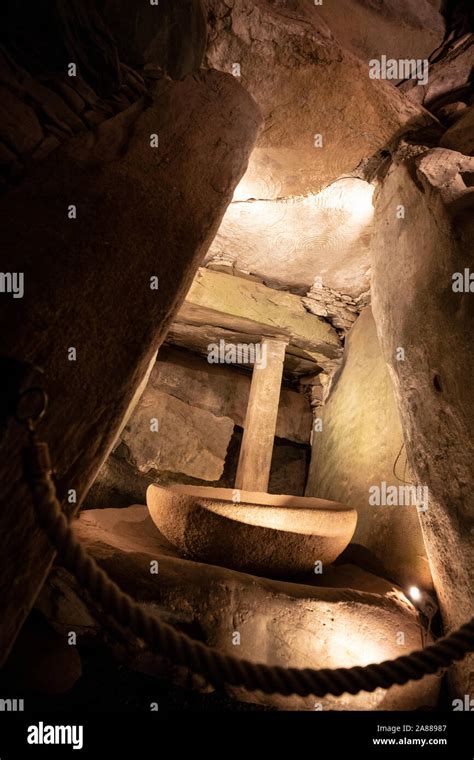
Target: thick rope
[{"x": 218, "y": 668}]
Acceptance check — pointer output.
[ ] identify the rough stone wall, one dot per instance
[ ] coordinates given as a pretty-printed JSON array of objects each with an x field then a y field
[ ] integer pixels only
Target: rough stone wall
[
  {"x": 36, "y": 117},
  {"x": 356, "y": 449},
  {"x": 416, "y": 309},
  {"x": 396, "y": 28},
  {"x": 187, "y": 428},
  {"x": 138, "y": 215},
  {"x": 340, "y": 309}
]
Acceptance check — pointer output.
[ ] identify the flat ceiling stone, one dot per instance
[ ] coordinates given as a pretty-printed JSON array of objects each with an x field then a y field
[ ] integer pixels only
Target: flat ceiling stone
[
  {"x": 221, "y": 306},
  {"x": 198, "y": 337}
]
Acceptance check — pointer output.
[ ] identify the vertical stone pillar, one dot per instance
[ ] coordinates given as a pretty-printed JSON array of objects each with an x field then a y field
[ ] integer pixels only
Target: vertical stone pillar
[{"x": 253, "y": 471}]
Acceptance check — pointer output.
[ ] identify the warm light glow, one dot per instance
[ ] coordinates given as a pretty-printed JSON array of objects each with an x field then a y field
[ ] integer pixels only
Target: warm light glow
[
  {"x": 414, "y": 593},
  {"x": 348, "y": 646},
  {"x": 352, "y": 195},
  {"x": 245, "y": 189},
  {"x": 292, "y": 240}
]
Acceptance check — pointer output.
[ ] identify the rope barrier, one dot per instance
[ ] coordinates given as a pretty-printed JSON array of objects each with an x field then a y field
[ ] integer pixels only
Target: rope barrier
[{"x": 219, "y": 668}]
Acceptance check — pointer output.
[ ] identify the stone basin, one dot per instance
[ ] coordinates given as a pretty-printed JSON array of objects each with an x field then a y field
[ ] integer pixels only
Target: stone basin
[{"x": 264, "y": 534}]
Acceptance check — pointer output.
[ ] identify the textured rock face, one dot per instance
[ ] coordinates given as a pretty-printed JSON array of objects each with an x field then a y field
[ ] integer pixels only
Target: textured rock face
[
  {"x": 99, "y": 36},
  {"x": 139, "y": 214},
  {"x": 460, "y": 136},
  {"x": 306, "y": 65},
  {"x": 294, "y": 240},
  {"x": 356, "y": 449},
  {"x": 340, "y": 309},
  {"x": 353, "y": 618},
  {"x": 42, "y": 105},
  {"x": 302, "y": 79},
  {"x": 165, "y": 433},
  {"x": 37, "y": 116},
  {"x": 395, "y": 28},
  {"x": 433, "y": 384},
  {"x": 198, "y": 338},
  {"x": 449, "y": 76}
]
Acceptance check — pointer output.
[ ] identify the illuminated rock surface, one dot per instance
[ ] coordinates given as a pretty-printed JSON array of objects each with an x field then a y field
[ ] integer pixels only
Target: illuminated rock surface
[
  {"x": 306, "y": 84},
  {"x": 294, "y": 240},
  {"x": 357, "y": 447},
  {"x": 338, "y": 623},
  {"x": 435, "y": 395},
  {"x": 277, "y": 535},
  {"x": 223, "y": 391},
  {"x": 358, "y": 188},
  {"x": 237, "y": 304}
]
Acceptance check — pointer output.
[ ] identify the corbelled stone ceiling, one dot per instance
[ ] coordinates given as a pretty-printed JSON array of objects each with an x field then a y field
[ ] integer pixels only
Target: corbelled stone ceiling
[{"x": 301, "y": 217}]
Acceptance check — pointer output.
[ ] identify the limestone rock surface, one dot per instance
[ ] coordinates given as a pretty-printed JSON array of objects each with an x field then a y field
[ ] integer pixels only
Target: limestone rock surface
[
  {"x": 395, "y": 28},
  {"x": 460, "y": 136},
  {"x": 252, "y": 310},
  {"x": 291, "y": 241},
  {"x": 449, "y": 75}
]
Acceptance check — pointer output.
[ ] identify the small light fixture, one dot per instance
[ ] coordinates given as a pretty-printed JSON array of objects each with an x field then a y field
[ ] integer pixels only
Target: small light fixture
[
  {"x": 414, "y": 593},
  {"x": 426, "y": 608}
]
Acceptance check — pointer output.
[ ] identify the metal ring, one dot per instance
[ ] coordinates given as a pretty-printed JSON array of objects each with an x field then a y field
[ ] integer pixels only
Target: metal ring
[{"x": 32, "y": 418}]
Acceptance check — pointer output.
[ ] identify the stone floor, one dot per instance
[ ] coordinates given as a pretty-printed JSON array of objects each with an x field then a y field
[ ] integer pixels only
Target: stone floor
[{"x": 344, "y": 617}]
